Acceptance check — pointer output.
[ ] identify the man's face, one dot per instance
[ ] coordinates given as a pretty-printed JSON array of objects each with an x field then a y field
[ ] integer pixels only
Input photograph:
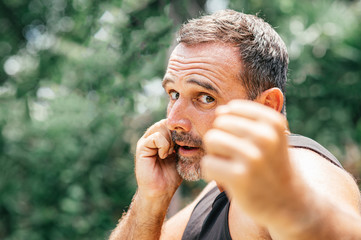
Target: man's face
[{"x": 199, "y": 78}]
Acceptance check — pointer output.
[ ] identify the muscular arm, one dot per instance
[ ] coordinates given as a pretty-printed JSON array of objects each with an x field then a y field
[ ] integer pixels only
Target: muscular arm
[
  {"x": 150, "y": 220},
  {"x": 143, "y": 220},
  {"x": 329, "y": 206},
  {"x": 296, "y": 196},
  {"x": 157, "y": 181}
]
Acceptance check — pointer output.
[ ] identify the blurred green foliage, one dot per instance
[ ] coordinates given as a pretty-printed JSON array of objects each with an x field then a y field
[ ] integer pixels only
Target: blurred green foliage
[{"x": 80, "y": 81}]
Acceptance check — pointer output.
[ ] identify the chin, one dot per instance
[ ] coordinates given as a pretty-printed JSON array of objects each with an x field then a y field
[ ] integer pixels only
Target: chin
[{"x": 189, "y": 169}]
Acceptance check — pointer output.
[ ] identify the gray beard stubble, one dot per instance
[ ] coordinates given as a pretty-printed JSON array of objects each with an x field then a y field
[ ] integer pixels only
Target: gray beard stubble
[{"x": 188, "y": 167}]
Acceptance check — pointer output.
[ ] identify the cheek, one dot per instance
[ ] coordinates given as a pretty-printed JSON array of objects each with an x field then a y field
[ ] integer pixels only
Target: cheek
[
  {"x": 204, "y": 122},
  {"x": 169, "y": 107}
]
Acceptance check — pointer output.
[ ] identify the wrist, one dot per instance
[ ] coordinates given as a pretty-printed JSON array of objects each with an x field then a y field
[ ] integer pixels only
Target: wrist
[
  {"x": 144, "y": 219},
  {"x": 299, "y": 214},
  {"x": 151, "y": 205}
]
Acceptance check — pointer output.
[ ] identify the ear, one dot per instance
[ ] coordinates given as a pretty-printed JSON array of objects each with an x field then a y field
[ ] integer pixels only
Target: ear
[{"x": 272, "y": 98}]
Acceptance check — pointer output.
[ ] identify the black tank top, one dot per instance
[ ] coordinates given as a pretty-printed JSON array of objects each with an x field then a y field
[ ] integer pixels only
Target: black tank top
[{"x": 209, "y": 219}]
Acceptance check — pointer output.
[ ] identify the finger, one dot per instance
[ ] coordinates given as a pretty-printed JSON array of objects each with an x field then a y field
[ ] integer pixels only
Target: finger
[
  {"x": 253, "y": 110},
  {"x": 227, "y": 145},
  {"x": 161, "y": 127},
  {"x": 261, "y": 133},
  {"x": 168, "y": 160},
  {"x": 235, "y": 124},
  {"x": 221, "y": 170},
  {"x": 158, "y": 141}
]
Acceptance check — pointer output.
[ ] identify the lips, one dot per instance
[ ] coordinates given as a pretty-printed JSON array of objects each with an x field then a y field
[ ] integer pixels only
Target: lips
[
  {"x": 184, "y": 145},
  {"x": 186, "y": 150}
]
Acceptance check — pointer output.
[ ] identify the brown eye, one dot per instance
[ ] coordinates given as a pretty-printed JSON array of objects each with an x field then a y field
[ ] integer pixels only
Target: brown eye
[
  {"x": 206, "y": 99},
  {"x": 174, "y": 95}
]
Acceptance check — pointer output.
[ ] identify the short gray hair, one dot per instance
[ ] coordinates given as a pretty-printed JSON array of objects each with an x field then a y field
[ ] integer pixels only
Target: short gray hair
[{"x": 263, "y": 53}]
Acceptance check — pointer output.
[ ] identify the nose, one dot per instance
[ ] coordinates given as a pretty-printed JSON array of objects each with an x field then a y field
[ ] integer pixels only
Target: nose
[{"x": 178, "y": 119}]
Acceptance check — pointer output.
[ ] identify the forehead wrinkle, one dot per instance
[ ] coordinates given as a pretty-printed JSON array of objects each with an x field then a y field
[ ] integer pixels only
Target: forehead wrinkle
[
  {"x": 230, "y": 56},
  {"x": 205, "y": 66},
  {"x": 179, "y": 61},
  {"x": 207, "y": 73},
  {"x": 192, "y": 78}
]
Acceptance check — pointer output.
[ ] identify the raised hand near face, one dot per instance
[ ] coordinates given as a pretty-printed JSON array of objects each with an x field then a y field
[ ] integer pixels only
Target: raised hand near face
[
  {"x": 155, "y": 163},
  {"x": 247, "y": 154}
]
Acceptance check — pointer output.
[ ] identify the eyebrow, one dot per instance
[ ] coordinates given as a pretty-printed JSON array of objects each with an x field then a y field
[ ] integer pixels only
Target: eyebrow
[
  {"x": 203, "y": 84},
  {"x": 166, "y": 81},
  {"x": 193, "y": 81}
]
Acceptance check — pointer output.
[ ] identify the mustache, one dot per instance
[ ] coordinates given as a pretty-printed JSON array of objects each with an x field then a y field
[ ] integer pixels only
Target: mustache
[{"x": 186, "y": 138}]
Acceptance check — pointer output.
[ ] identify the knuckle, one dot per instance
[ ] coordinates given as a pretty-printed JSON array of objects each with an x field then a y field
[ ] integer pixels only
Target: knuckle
[
  {"x": 221, "y": 121},
  {"x": 156, "y": 135},
  {"x": 156, "y": 126},
  {"x": 256, "y": 155},
  {"x": 238, "y": 170},
  {"x": 210, "y": 135},
  {"x": 269, "y": 136},
  {"x": 278, "y": 122},
  {"x": 235, "y": 102},
  {"x": 218, "y": 121},
  {"x": 140, "y": 144},
  {"x": 140, "y": 141}
]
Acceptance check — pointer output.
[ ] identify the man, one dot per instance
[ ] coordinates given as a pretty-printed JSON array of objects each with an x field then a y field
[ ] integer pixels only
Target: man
[{"x": 265, "y": 183}]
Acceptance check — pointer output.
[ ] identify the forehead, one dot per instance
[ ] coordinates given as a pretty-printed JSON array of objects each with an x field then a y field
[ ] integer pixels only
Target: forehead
[
  {"x": 214, "y": 66},
  {"x": 214, "y": 52}
]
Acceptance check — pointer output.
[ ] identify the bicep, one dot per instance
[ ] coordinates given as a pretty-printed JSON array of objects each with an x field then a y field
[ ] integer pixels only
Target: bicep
[{"x": 175, "y": 226}]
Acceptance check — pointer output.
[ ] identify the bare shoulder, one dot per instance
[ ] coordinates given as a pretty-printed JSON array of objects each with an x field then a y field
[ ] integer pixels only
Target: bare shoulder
[
  {"x": 175, "y": 226},
  {"x": 326, "y": 178}
]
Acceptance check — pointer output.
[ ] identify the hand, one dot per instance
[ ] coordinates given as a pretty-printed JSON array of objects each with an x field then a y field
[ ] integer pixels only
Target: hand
[
  {"x": 247, "y": 154},
  {"x": 155, "y": 164}
]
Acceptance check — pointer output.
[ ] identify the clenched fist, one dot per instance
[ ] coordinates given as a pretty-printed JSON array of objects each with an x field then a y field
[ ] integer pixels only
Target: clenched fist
[{"x": 247, "y": 154}]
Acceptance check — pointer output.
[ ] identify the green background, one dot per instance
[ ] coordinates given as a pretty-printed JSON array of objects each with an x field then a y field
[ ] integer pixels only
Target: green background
[{"x": 80, "y": 82}]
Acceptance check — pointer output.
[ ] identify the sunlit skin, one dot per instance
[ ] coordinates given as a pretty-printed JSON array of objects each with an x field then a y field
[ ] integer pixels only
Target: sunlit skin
[
  {"x": 242, "y": 146},
  {"x": 198, "y": 80}
]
